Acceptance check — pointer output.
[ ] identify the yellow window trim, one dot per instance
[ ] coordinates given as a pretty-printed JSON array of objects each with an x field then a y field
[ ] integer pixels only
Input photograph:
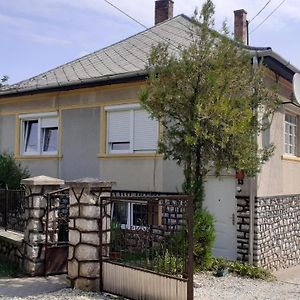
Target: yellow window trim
[
  {"x": 131, "y": 156},
  {"x": 37, "y": 157},
  {"x": 290, "y": 158}
]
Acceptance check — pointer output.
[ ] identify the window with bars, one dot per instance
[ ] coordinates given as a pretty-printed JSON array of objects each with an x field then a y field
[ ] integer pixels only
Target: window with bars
[
  {"x": 290, "y": 134},
  {"x": 130, "y": 130},
  {"x": 39, "y": 134}
]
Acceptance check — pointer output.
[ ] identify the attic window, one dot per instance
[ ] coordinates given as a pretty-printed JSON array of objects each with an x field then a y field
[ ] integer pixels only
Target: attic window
[{"x": 39, "y": 134}]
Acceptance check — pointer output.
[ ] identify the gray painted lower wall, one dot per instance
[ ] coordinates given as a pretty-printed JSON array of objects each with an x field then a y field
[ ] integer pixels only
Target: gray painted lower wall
[
  {"x": 80, "y": 143},
  {"x": 7, "y": 133}
]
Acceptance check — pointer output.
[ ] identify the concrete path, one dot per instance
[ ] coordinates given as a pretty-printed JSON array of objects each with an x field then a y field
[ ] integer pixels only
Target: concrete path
[
  {"x": 31, "y": 286},
  {"x": 290, "y": 275}
]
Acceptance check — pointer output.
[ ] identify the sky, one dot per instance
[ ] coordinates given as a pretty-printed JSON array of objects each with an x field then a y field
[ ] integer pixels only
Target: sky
[{"x": 38, "y": 35}]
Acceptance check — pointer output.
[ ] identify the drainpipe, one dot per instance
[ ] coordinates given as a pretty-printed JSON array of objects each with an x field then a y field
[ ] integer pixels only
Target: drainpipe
[
  {"x": 252, "y": 197},
  {"x": 251, "y": 225}
]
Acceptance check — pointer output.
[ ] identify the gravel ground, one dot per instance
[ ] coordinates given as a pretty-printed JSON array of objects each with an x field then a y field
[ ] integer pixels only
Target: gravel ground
[
  {"x": 206, "y": 287},
  {"x": 233, "y": 287}
]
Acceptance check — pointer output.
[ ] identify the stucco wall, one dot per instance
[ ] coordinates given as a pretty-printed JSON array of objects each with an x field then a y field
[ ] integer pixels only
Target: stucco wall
[
  {"x": 281, "y": 174},
  {"x": 7, "y": 133},
  {"x": 80, "y": 138}
]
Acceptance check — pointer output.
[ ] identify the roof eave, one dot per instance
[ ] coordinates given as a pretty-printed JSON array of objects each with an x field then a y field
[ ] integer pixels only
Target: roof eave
[{"x": 106, "y": 80}]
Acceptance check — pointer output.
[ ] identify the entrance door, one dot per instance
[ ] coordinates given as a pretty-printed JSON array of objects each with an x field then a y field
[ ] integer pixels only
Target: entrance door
[{"x": 220, "y": 201}]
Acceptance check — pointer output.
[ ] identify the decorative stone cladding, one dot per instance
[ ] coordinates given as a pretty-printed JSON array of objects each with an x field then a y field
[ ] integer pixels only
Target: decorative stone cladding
[
  {"x": 86, "y": 248},
  {"x": 35, "y": 219},
  {"x": 277, "y": 231},
  {"x": 243, "y": 221}
]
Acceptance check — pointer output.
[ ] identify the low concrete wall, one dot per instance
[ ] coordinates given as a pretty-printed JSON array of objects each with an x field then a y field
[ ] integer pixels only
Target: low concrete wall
[{"x": 12, "y": 247}]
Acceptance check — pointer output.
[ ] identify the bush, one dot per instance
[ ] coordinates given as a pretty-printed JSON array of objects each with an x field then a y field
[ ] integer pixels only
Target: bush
[
  {"x": 241, "y": 269},
  {"x": 11, "y": 172},
  {"x": 204, "y": 237}
]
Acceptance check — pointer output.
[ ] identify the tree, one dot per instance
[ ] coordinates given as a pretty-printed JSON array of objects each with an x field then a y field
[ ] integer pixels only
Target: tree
[
  {"x": 212, "y": 103},
  {"x": 2, "y": 81},
  {"x": 11, "y": 172}
]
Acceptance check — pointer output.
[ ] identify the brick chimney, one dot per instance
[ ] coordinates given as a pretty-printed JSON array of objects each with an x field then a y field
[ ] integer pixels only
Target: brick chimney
[
  {"x": 163, "y": 10},
  {"x": 241, "y": 26}
]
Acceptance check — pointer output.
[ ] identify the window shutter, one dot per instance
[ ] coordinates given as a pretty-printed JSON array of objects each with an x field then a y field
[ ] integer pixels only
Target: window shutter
[
  {"x": 49, "y": 122},
  {"x": 145, "y": 134},
  {"x": 118, "y": 126}
]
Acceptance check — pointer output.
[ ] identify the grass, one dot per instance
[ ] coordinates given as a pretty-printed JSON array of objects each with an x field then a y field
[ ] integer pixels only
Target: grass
[
  {"x": 241, "y": 269},
  {"x": 8, "y": 269}
]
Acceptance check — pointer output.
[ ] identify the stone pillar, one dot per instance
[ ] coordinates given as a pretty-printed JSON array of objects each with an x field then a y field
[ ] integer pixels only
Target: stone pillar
[
  {"x": 85, "y": 245},
  {"x": 35, "y": 221}
]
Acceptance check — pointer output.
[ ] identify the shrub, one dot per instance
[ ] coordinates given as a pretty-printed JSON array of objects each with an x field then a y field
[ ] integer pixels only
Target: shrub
[
  {"x": 204, "y": 237},
  {"x": 241, "y": 269},
  {"x": 11, "y": 172}
]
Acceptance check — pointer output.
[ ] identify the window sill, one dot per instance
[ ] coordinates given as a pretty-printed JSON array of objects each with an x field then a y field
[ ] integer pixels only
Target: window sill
[
  {"x": 28, "y": 157},
  {"x": 131, "y": 156},
  {"x": 290, "y": 157}
]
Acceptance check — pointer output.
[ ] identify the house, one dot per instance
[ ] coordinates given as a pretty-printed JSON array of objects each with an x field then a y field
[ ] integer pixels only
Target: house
[{"x": 83, "y": 119}]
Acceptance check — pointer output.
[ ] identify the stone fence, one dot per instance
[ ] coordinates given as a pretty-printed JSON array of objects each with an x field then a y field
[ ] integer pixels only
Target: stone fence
[
  {"x": 277, "y": 232},
  {"x": 276, "y": 240}
]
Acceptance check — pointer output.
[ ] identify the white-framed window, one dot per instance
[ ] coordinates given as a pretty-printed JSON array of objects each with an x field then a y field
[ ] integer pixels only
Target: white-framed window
[
  {"x": 290, "y": 134},
  {"x": 130, "y": 215},
  {"x": 130, "y": 130},
  {"x": 39, "y": 134}
]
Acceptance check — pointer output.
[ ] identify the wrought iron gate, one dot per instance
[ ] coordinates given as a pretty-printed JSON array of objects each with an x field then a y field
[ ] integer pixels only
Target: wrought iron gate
[{"x": 57, "y": 232}]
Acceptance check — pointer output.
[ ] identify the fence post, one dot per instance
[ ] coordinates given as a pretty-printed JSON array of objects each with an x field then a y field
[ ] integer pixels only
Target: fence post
[
  {"x": 35, "y": 221},
  {"x": 6, "y": 208},
  {"x": 85, "y": 233},
  {"x": 190, "y": 263}
]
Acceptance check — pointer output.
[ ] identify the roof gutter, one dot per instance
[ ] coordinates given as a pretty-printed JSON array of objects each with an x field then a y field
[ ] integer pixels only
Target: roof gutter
[{"x": 87, "y": 83}]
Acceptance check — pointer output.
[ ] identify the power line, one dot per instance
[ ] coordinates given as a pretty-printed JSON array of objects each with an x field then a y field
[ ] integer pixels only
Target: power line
[
  {"x": 260, "y": 11},
  {"x": 276, "y": 8},
  {"x": 123, "y": 12},
  {"x": 133, "y": 19}
]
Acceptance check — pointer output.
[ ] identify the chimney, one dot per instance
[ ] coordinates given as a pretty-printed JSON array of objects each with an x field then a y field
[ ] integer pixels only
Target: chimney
[
  {"x": 163, "y": 10},
  {"x": 241, "y": 26}
]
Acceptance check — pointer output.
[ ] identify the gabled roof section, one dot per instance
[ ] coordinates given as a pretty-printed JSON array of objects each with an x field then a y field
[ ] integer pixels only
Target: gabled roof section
[
  {"x": 126, "y": 61},
  {"x": 123, "y": 59}
]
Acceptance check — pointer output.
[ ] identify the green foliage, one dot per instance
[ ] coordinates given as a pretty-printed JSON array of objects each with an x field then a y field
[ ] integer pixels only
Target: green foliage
[
  {"x": 168, "y": 262},
  {"x": 204, "y": 237},
  {"x": 116, "y": 238},
  {"x": 241, "y": 269},
  {"x": 2, "y": 81},
  {"x": 11, "y": 172},
  {"x": 211, "y": 102}
]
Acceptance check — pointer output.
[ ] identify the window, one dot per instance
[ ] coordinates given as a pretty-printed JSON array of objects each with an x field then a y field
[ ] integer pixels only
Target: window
[
  {"x": 130, "y": 215},
  {"x": 39, "y": 134},
  {"x": 130, "y": 130},
  {"x": 290, "y": 134}
]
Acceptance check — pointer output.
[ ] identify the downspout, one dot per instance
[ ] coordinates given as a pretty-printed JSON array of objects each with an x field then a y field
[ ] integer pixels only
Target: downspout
[{"x": 252, "y": 196}]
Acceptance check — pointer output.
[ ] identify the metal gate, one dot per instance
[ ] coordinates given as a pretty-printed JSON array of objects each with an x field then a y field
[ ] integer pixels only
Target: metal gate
[
  {"x": 146, "y": 240},
  {"x": 57, "y": 232}
]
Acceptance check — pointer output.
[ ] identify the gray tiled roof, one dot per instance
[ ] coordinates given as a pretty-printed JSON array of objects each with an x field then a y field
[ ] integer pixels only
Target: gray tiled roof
[{"x": 126, "y": 57}]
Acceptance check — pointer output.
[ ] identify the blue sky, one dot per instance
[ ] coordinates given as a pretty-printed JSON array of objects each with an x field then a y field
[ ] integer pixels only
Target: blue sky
[{"x": 37, "y": 35}]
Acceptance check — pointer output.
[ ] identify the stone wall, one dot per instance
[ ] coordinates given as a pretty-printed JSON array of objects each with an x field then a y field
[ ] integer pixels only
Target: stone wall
[
  {"x": 243, "y": 220},
  {"x": 277, "y": 231},
  {"x": 35, "y": 222},
  {"x": 88, "y": 220}
]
